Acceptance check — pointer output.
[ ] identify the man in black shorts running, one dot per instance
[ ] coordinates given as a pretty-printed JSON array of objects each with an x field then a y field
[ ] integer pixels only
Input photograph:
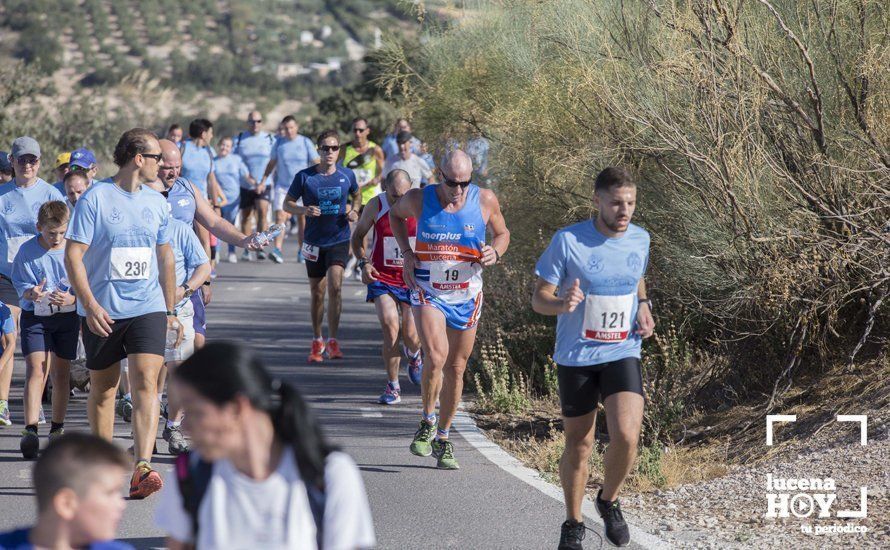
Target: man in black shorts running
[{"x": 591, "y": 278}]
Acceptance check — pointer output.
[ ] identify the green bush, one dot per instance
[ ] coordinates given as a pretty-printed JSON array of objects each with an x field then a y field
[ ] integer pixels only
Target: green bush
[
  {"x": 757, "y": 132},
  {"x": 499, "y": 388}
]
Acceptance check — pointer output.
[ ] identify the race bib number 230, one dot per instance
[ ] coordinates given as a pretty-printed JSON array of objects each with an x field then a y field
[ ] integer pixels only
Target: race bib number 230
[
  {"x": 607, "y": 319},
  {"x": 130, "y": 263}
]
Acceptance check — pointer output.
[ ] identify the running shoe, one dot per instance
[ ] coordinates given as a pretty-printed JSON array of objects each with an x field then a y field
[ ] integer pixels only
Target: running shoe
[
  {"x": 300, "y": 259},
  {"x": 616, "y": 528},
  {"x": 294, "y": 230},
  {"x": 124, "y": 408},
  {"x": 422, "y": 439},
  {"x": 176, "y": 442},
  {"x": 276, "y": 256},
  {"x": 233, "y": 258},
  {"x": 260, "y": 255},
  {"x": 29, "y": 444},
  {"x": 443, "y": 450},
  {"x": 390, "y": 396},
  {"x": 54, "y": 434},
  {"x": 213, "y": 273},
  {"x": 245, "y": 256},
  {"x": 315, "y": 356},
  {"x": 333, "y": 349},
  {"x": 4, "y": 414},
  {"x": 415, "y": 366},
  {"x": 350, "y": 265},
  {"x": 145, "y": 481},
  {"x": 41, "y": 418},
  {"x": 572, "y": 534}
]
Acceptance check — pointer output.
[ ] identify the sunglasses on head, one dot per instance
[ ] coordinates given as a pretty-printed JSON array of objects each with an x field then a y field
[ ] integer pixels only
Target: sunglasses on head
[{"x": 329, "y": 148}]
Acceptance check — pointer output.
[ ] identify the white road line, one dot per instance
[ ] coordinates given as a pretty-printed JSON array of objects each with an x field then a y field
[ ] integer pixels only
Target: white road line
[
  {"x": 369, "y": 412},
  {"x": 510, "y": 464},
  {"x": 256, "y": 288},
  {"x": 360, "y": 292}
]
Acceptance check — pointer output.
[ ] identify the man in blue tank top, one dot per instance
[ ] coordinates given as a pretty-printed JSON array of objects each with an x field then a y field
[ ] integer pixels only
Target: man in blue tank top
[
  {"x": 444, "y": 272},
  {"x": 591, "y": 279}
]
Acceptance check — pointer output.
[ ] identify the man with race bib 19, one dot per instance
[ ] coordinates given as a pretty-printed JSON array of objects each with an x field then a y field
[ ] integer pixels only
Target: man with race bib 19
[
  {"x": 386, "y": 285},
  {"x": 20, "y": 200},
  {"x": 122, "y": 270},
  {"x": 330, "y": 202},
  {"x": 445, "y": 274},
  {"x": 591, "y": 278},
  {"x": 291, "y": 154}
]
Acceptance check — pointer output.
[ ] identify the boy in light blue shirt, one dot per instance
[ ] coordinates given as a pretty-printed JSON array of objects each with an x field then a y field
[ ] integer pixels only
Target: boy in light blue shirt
[{"x": 49, "y": 323}]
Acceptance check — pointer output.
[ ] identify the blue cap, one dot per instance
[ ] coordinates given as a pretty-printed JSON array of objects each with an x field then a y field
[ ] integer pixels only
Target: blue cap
[
  {"x": 84, "y": 158},
  {"x": 5, "y": 166}
]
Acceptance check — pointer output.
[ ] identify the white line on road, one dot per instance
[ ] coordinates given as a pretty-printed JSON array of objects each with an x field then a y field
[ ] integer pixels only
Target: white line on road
[
  {"x": 510, "y": 464},
  {"x": 256, "y": 288},
  {"x": 359, "y": 292},
  {"x": 369, "y": 412}
]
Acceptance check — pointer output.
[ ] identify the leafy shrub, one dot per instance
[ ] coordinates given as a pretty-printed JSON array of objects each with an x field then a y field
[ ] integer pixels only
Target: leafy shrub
[{"x": 498, "y": 387}]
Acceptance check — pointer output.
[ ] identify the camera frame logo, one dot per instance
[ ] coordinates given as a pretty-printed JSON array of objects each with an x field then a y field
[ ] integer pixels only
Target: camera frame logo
[{"x": 803, "y": 498}]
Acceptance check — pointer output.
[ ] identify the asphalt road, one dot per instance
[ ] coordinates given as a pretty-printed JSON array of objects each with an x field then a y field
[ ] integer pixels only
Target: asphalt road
[{"x": 414, "y": 505}]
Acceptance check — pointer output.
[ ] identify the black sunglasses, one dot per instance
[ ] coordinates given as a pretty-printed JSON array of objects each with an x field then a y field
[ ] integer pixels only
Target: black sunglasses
[
  {"x": 359, "y": 129},
  {"x": 156, "y": 156},
  {"x": 329, "y": 148},
  {"x": 452, "y": 183},
  {"x": 255, "y": 121}
]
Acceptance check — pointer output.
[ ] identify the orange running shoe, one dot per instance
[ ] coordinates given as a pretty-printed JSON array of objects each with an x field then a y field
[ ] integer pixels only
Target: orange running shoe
[
  {"x": 145, "y": 481},
  {"x": 334, "y": 349},
  {"x": 315, "y": 356}
]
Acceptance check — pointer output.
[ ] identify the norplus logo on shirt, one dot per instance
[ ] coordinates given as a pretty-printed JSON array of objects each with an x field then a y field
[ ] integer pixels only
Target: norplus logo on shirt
[{"x": 445, "y": 236}]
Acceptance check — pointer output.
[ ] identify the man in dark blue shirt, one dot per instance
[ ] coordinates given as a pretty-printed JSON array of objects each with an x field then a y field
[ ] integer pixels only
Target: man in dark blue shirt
[{"x": 331, "y": 201}]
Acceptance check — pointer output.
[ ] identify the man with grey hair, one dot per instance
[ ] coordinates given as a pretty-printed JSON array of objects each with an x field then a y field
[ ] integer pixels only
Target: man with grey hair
[
  {"x": 19, "y": 202},
  {"x": 382, "y": 272},
  {"x": 407, "y": 160},
  {"x": 444, "y": 271},
  {"x": 254, "y": 146}
]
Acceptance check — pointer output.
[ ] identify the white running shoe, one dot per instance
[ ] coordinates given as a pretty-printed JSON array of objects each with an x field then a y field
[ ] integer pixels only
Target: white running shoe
[{"x": 233, "y": 258}]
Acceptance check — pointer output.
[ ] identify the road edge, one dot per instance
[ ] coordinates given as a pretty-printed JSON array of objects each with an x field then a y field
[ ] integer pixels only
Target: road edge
[{"x": 467, "y": 428}]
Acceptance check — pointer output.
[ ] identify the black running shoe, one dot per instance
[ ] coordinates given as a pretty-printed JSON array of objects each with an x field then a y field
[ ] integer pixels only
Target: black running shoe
[
  {"x": 29, "y": 444},
  {"x": 572, "y": 535},
  {"x": 616, "y": 528}
]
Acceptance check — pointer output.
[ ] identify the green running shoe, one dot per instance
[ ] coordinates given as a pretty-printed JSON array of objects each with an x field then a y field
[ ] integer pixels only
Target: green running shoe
[
  {"x": 443, "y": 450},
  {"x": 422, "y": 438},
  {"x": 4, "y": 414}
]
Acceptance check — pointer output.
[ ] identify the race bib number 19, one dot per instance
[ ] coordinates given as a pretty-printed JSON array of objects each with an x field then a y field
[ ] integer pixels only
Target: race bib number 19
[
  {"x": 451, "y": 275},
  {"x": 310, "y": 252},
  {"x": 130, "y": 263},
  {"x": 607, "y": 319}
]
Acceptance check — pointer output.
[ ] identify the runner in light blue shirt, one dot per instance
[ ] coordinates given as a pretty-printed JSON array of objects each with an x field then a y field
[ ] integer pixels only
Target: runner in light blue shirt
[
  {"x": 292, "y": 154},
  {"x": 197, "y": 160},
  {"x": 255, "y": 148},
  {"x": 122, "y": 230},
  {"x": 19, "y": 204},
  {"x": 187, "y": 250},
  {"x": 231, "y": 173}
]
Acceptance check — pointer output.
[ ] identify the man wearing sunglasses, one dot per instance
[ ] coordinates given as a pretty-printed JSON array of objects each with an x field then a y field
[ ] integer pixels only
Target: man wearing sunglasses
[
  {"x": 254, "y": 146},
  {"x": 444, "y": 271},
  {"x": 365, "y": 158},
  {"x": 417, "y": 168},
  {"x": 330, "y": 203},
  {"x": 122, "y": 270},
  {"x": 19, "y": 202}
]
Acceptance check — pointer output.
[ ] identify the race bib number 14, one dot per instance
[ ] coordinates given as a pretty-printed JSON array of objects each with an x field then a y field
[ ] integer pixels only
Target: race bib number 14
[
  {"x": 310, "y": 252},
  {"x": 392, "y": 255},
  {"x": 607, "y": 319}
]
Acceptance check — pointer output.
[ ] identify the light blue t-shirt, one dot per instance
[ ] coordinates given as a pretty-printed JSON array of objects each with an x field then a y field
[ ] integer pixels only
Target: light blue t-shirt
[
  {"x": 609, "y": 270},
  {"x": 7, "y": 323},
  {"x": 18, "y": 217},
  {"x": 34, "y": 263},
  {"x": 122, "y": 230},
  {"x": 197, "y": 164},
  {"x": 292, "y": 156},
  {"x": 187, "y": 250},
  {"x": 60, "y": 185},
  {"x": 230, "y": 170},
  {"x": 255, "y": 151}
]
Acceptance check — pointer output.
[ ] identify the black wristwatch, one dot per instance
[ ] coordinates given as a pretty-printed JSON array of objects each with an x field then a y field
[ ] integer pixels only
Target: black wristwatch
[
  {"x": 362, "y": 263},
  {"x": 206, "y": 283},
  {"x": 648, "y": 302}
]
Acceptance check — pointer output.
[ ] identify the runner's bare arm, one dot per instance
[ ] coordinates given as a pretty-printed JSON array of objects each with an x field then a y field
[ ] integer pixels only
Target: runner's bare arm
[
  {"x": 98, "y": 319},
  {"x": 218, "y": 198},
  {"x": 270, "y": 167},
  {"x": 201, "y": 274},
  {"x": 546, "y": 302},
  {"x": 645, "y": 321},
  {"x": 207, "y": 217},
  {"x": 378, "y": 166},
  {"x": 500, "y": 235},
  {"x": 8, "y": 348},
  {"x": 356, "y": 198},
  {"x": 365, "y": 222},
  {"x": 409, "y": 206}
]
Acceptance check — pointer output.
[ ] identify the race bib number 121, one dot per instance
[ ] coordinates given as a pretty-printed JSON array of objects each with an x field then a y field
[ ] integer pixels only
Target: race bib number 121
[{"x": 607, "y": 319}]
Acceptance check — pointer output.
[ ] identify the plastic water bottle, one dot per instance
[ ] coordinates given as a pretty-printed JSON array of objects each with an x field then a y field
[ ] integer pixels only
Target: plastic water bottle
[
  {"x": 172, "y": 335},
  {"x": 264, "y": 238}
]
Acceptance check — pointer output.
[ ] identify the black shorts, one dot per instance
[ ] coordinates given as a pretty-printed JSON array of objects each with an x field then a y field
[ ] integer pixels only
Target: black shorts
[
  {"x": 328, "y": 256},
  {"x": 54, "y": 333},
  {"x": 144, "y": 334},
  {"x": 581, "y": 388},
  {"x": 249, "y": 197}
]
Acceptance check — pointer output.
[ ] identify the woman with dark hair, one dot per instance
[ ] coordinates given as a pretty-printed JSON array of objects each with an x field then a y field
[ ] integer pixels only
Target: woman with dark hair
[{"x": 263, "y": 475}]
